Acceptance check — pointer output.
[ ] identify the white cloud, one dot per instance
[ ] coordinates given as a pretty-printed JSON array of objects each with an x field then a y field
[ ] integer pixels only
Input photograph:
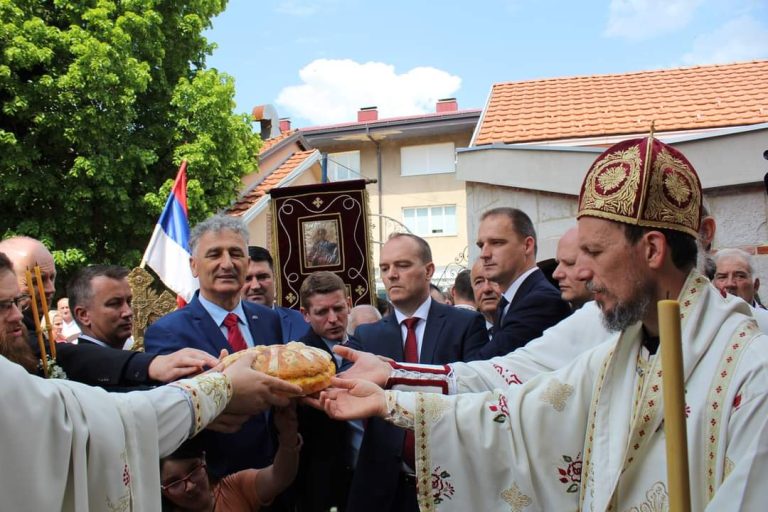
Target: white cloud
[
  {"x": 644, "y": 19},
  {"x": 333, "y": 90},
  {"x": 743, "y": 38}
]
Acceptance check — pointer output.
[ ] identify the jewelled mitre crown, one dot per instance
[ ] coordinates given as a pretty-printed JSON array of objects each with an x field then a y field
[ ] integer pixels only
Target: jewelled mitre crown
[{"x": 643, "y": 182}]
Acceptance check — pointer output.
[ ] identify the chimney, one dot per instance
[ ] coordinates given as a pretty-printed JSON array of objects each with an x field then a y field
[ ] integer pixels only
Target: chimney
[
  {"x": 266, "y": 116},
  {"x": 366, "y": 114},
  {"x": 446, "y": 105},
  {"x": 285, "y": 124}
]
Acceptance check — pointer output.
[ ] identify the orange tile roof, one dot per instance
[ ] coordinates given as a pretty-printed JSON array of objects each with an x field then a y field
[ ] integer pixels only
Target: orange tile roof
[
  {"x": 274, "y": 141},
  {"x": 245, "y": 202},
  {"x": 591, "y": 106}
]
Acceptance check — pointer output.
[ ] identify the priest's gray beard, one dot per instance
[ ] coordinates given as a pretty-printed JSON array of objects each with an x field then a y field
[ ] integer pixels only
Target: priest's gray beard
[
  {"x": 17, "y": 350},
  {"x": 627, "y": 312}
]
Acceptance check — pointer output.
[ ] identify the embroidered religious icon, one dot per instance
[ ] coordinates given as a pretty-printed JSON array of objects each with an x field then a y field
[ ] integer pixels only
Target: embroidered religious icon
[{"x": 321, "y": 243}]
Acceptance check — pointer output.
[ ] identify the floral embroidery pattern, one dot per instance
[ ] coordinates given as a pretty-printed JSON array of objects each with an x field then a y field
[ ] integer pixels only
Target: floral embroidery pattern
[
  {"x": 217, "y": 388},
  {"x": 656, "y": 500},
  {"x": 501, "y": 408},
  {"x": 515, "y": 498},
  {"x": 506, "y": 374},
  {"x": 556, "y": 394},
  {"x": 429, "y": 409},
  {"x": 442, "y": 489},
  {"x": 570, "y": 475}
]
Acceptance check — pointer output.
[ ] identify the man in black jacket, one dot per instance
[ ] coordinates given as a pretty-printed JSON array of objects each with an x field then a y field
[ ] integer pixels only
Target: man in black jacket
[
  {"x": 330, "y": 447},
  {"x": 100, "y": 298},
  {"x": 529, "y": 303},
  {"x": 88, "y": 363}
]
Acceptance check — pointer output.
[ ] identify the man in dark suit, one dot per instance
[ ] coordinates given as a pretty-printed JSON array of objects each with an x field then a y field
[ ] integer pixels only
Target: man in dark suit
[
  {"x": 217, "y": 319},
  {"x": 100, "y": 296},
  {"x": 529, "y": 303},
  {"x": 259, "y": 287},
  {"x": 420, "y": 330},
  {"x": 330, "y": 447},
  {"x": 88, "y": 363}
]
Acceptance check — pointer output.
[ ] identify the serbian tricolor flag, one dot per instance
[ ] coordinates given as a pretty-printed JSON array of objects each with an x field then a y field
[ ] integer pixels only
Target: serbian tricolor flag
[{"x": 168, "y": 250}]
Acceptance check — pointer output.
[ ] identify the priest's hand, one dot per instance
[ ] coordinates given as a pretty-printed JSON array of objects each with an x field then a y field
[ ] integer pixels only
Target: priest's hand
[
  {"x": 254, "y": 392},
  {"x": 365, "y": 366},
  {"x": 353, "y": 399},
  {"x": 182, "y": 363}
]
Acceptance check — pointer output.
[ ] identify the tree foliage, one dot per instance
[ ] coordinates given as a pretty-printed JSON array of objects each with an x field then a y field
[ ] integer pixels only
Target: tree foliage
[{"x": 101, "y": 100}]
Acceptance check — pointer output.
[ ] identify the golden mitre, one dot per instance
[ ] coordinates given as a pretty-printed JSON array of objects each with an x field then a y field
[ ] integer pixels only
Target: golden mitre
[{"x": 643, "y": 182}]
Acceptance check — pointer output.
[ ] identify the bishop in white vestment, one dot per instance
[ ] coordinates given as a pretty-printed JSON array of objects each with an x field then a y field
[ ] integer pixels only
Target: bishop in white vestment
[{"x": 589, "y": 436}]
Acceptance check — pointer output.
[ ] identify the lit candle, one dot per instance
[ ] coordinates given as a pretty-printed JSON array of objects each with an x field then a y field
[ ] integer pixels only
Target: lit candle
[
  {"x": 44, "y": 304},
  {"x": 38, "y": 330},
  {"x": 672, "y": 383}
]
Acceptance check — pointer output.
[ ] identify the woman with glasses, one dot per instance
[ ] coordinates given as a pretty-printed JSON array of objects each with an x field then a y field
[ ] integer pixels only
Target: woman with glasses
[{"x": 186, "y": 485}]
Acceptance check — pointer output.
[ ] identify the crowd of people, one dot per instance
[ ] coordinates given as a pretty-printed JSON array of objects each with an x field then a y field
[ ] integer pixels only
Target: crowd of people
[{"x": 507, "y": 392}]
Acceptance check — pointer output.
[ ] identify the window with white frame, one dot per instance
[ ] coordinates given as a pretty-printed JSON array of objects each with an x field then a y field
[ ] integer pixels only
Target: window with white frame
[
  {"x": 344, "y": 166},
  {"x": 431, "y": 220},
  {"x": 427, "y": 159}
]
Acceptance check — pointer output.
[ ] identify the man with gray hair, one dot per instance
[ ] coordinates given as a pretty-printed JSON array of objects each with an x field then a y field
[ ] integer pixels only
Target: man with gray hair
[
  {"x": 735, "y": 274},
  {"x": 217, "y": 319}
]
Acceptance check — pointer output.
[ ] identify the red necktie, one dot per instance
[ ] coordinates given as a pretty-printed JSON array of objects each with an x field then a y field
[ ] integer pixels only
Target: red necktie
[
  {"x": 411, "y": 351},
  {"x": 234, "y": 336}
]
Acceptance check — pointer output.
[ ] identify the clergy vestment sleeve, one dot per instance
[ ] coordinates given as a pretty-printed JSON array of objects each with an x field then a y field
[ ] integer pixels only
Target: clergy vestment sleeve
[
  {"x": 745, "y": 439},
  {"x": 557, "y": 347},
  {"x": 484, "y": 451},
  {"x": 81, "y": 448}
]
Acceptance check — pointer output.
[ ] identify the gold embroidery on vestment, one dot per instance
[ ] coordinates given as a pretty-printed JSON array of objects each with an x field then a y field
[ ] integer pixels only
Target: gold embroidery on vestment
[
  {"x": 556, "y": 394},
  {"x": 656, "y": 500},
  {"x": 516, "y": 500}
]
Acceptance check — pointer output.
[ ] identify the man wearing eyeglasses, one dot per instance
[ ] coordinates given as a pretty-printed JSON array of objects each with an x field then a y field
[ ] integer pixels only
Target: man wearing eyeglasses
[
  {"x": 88, "y": 363},
  {"x": 94, "y": 450}
]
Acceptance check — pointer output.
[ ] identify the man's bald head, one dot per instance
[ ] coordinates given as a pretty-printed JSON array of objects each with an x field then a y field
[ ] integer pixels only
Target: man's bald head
[
  {"x": 25, "y": 252},
  {"x": 362, "y": 314},
  {"x": 566, "y": 274}
]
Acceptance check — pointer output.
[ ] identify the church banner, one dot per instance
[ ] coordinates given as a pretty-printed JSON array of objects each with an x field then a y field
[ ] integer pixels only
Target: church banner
[{"x": 322, "y": 227}]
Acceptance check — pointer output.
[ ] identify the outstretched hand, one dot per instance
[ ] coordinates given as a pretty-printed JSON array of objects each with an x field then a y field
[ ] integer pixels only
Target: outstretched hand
[
  {"x": 365, "y": 366},
  {"x": 253, "y": 391},
  {"x": 353, "y": 399},
  {"x": 182, "y": 363}
]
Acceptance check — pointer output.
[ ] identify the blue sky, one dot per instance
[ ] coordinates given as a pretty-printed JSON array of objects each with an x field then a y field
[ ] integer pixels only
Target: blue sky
[{"x": 318, "y": 61}]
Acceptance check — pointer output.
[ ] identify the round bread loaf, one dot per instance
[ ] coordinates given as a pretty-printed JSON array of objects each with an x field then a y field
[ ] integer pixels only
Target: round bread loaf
[{"x": 308, "y": 367}]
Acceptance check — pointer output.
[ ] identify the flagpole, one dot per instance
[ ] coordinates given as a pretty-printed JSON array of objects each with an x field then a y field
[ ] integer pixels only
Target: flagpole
[{"x": 182, "y": 169}]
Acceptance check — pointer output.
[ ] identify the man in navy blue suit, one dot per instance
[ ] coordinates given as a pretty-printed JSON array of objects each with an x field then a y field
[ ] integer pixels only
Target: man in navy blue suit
[
  {"x": 420, "y": 330},
  {"x": 260, "y": 288},
  {"x": 529, "y": 303},
  {"x": 217, "y": 319}
]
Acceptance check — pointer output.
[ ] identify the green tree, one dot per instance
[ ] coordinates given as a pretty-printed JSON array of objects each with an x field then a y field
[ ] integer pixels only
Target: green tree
[{"x": 101, "y": 100}]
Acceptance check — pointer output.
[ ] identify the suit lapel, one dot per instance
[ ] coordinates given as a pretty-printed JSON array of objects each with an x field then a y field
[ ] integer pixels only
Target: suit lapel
[
  {"x": 528, "y": 283},
  {"x": 391, "y": 342},
  {"x": 205, "y": 325},
  {"x": 435, "y": 323}
]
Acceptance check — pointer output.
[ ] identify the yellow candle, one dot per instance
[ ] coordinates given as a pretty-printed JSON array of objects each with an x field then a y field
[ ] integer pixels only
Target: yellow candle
[
  {"x": 672, "y": 382},
  {"x": 38, "y": 330},
  {"x": 44, "y": 304}
]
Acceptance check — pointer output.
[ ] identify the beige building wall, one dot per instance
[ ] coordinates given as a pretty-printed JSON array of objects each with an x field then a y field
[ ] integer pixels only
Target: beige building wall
[{"x": 399, "y": 192}]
